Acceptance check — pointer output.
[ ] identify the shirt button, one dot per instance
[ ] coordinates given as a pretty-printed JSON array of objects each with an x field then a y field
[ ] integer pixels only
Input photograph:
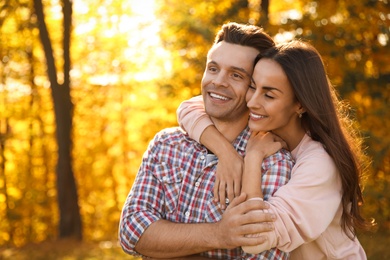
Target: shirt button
[
  {"x": 187, "y": 214},
  {"x": 197, "y": 184},
  {"x": 202, "y": 157}
]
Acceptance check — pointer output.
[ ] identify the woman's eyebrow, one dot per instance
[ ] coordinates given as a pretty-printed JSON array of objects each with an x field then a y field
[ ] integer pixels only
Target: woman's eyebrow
[{"x": 271, "y": 88}]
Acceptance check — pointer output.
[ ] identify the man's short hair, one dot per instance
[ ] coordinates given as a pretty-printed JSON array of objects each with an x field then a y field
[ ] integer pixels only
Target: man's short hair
[{"x": 245, "y": 35}]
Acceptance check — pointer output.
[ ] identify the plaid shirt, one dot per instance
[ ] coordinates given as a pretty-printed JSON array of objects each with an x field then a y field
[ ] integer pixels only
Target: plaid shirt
[{"x": 175, "y": 182}]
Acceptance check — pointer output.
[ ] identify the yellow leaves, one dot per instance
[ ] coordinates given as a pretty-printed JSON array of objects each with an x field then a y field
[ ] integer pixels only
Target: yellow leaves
[
  {"x": 362, "y": 101},
  {"x": 14, "y": 193},
  {"x": 126, "y": 87},
  {"x": 370, "y": 70},
  {"x": 2, "y": 201},
  {"x": 280, "y": 11}
]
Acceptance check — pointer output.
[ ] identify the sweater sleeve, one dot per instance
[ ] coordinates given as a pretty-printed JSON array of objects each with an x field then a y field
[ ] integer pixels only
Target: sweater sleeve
[
  {"x": 192, "y": 117},
  {"x": 307, "y": 204}
]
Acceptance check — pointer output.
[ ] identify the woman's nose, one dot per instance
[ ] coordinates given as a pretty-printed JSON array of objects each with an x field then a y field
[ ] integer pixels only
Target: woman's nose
[{"x": 252, "y": 100}]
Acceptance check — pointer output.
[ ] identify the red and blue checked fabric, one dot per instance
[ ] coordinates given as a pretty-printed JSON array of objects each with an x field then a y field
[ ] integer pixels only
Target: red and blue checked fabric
[{"x": 175, "y": 182}]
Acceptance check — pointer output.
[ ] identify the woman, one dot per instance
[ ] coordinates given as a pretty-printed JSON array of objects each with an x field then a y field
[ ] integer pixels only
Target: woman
[{"x": 291, "y": 98}]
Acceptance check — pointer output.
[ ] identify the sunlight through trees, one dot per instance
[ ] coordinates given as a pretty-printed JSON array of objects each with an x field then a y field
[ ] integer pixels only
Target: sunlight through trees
[{"x": 131, "y": 66}]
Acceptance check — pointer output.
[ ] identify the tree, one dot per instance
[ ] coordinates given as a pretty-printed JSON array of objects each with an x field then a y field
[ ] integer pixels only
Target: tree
[{"x": 70, "y": 219}]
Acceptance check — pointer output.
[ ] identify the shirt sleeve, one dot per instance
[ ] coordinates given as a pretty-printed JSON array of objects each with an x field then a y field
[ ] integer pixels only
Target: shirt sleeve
[
  {"x": 306, "y": 205},
  {"x": 276, "y": 172},
  {"x": 141, "y": 208},
  {"x": 192, "y": 117}
]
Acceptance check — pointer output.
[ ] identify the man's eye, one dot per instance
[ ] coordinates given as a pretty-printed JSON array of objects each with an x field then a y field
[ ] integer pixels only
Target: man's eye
[
  {"x": 252, "y": 87},
  {"x": 268, "y": 96},
  {"x": 236, "y": 75}
]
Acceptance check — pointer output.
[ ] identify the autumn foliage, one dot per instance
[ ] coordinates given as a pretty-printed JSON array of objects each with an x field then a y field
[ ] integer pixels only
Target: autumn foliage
[{"x": 128, "y": 76}]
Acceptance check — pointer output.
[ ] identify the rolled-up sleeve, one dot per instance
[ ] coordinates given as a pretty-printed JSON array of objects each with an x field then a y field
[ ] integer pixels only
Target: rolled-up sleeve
[{"x": 141, "y": 208}]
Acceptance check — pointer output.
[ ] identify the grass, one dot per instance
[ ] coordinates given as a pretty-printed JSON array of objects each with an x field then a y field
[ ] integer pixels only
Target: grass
[
  {"x": 66, "y": 250},
  {"x": 376, "y": 246}
]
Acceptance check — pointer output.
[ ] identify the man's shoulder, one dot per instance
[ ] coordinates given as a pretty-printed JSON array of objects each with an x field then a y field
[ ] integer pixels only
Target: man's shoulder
[
  {"x": 175, "y": 130},
  {"x": 172, "y": 140},
  {"x": 172, "y": 134},
  {"x": 281, "y": 155}
]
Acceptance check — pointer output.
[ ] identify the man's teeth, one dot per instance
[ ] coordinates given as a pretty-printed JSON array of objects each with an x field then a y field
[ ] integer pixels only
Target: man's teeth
[
  {"x": 213, "y": 95},
  {"x": 257, "y": 116}
]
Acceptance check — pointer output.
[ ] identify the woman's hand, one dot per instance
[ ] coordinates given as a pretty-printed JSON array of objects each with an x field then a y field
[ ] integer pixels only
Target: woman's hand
[
  {"x": 228, "y": 177},
  {"x": 264, "y": 144}
]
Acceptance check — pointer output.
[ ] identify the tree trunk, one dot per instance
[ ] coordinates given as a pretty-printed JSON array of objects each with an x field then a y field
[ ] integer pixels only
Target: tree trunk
[
  {"x": 264, "y": 11},
  {"x": 70, "y": 219},
  {"x": 4, "y": 131}
]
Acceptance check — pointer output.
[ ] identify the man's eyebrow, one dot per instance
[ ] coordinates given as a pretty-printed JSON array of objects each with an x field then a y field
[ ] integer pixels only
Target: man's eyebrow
[
  {"x": 235, "y": 68},
  {"x": 243, "y": 71}
]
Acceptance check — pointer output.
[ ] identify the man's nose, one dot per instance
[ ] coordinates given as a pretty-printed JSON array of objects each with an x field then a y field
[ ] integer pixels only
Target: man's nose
[{"x": 221, "y": 80}]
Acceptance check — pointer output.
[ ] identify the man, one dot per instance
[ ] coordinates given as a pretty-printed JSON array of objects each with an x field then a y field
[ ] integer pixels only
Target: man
[{"x": 170, "y": 211}]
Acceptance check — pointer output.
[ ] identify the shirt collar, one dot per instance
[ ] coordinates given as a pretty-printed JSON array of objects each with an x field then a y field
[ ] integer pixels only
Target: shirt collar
[{"x": 241, "y": 141}]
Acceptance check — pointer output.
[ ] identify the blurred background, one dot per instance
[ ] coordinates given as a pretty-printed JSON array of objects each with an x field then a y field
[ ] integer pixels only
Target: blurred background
[{"x": 85, "y": 85}]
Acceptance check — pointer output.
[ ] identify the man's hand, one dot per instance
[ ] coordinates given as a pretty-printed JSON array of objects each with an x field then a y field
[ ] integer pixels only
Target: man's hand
[{"x": 242, "y": 218}]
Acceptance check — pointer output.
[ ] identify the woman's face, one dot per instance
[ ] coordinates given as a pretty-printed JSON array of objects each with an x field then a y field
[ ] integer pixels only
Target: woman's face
[{"x": 271, "y": 101}]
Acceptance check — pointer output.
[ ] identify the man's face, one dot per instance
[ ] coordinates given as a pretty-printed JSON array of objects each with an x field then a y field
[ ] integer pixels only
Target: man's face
[{"x": 226, "y": 79}]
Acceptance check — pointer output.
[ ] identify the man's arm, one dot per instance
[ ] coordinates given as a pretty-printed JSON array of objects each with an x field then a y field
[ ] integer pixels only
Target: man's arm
[{"x": 165, "y": 239}]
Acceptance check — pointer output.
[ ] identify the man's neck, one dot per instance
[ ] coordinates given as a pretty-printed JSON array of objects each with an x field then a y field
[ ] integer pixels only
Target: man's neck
[{"x": 230, "y": 130}]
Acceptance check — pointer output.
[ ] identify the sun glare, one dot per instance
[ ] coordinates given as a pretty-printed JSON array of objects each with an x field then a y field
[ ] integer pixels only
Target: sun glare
[{"x": 138, "y": 23}]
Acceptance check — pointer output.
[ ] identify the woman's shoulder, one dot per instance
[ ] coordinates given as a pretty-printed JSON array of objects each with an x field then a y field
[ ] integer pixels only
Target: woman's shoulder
[
  {"x": 313, "y": 153},
  {"x": 314, "y": 167},
  {"x": 309, "y": 147}
]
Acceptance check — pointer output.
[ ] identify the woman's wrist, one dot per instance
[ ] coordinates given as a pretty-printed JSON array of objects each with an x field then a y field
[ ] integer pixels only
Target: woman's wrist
[
  {"x": 253, "y": 157},
  {"x": 223, "y": 148},
  {"x": 216, "y": 142}
]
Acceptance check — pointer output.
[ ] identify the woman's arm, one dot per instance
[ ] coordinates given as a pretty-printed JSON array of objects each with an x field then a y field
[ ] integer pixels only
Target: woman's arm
[
  {"x": 308, "y": 204},
  {"x": 230, "y": 165},
  {"x": 194, "y": 120},
  {"x": 263, "y": 163},
  {"x": 192, "y": 117},
  {"x": 260, "y": 146}
]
